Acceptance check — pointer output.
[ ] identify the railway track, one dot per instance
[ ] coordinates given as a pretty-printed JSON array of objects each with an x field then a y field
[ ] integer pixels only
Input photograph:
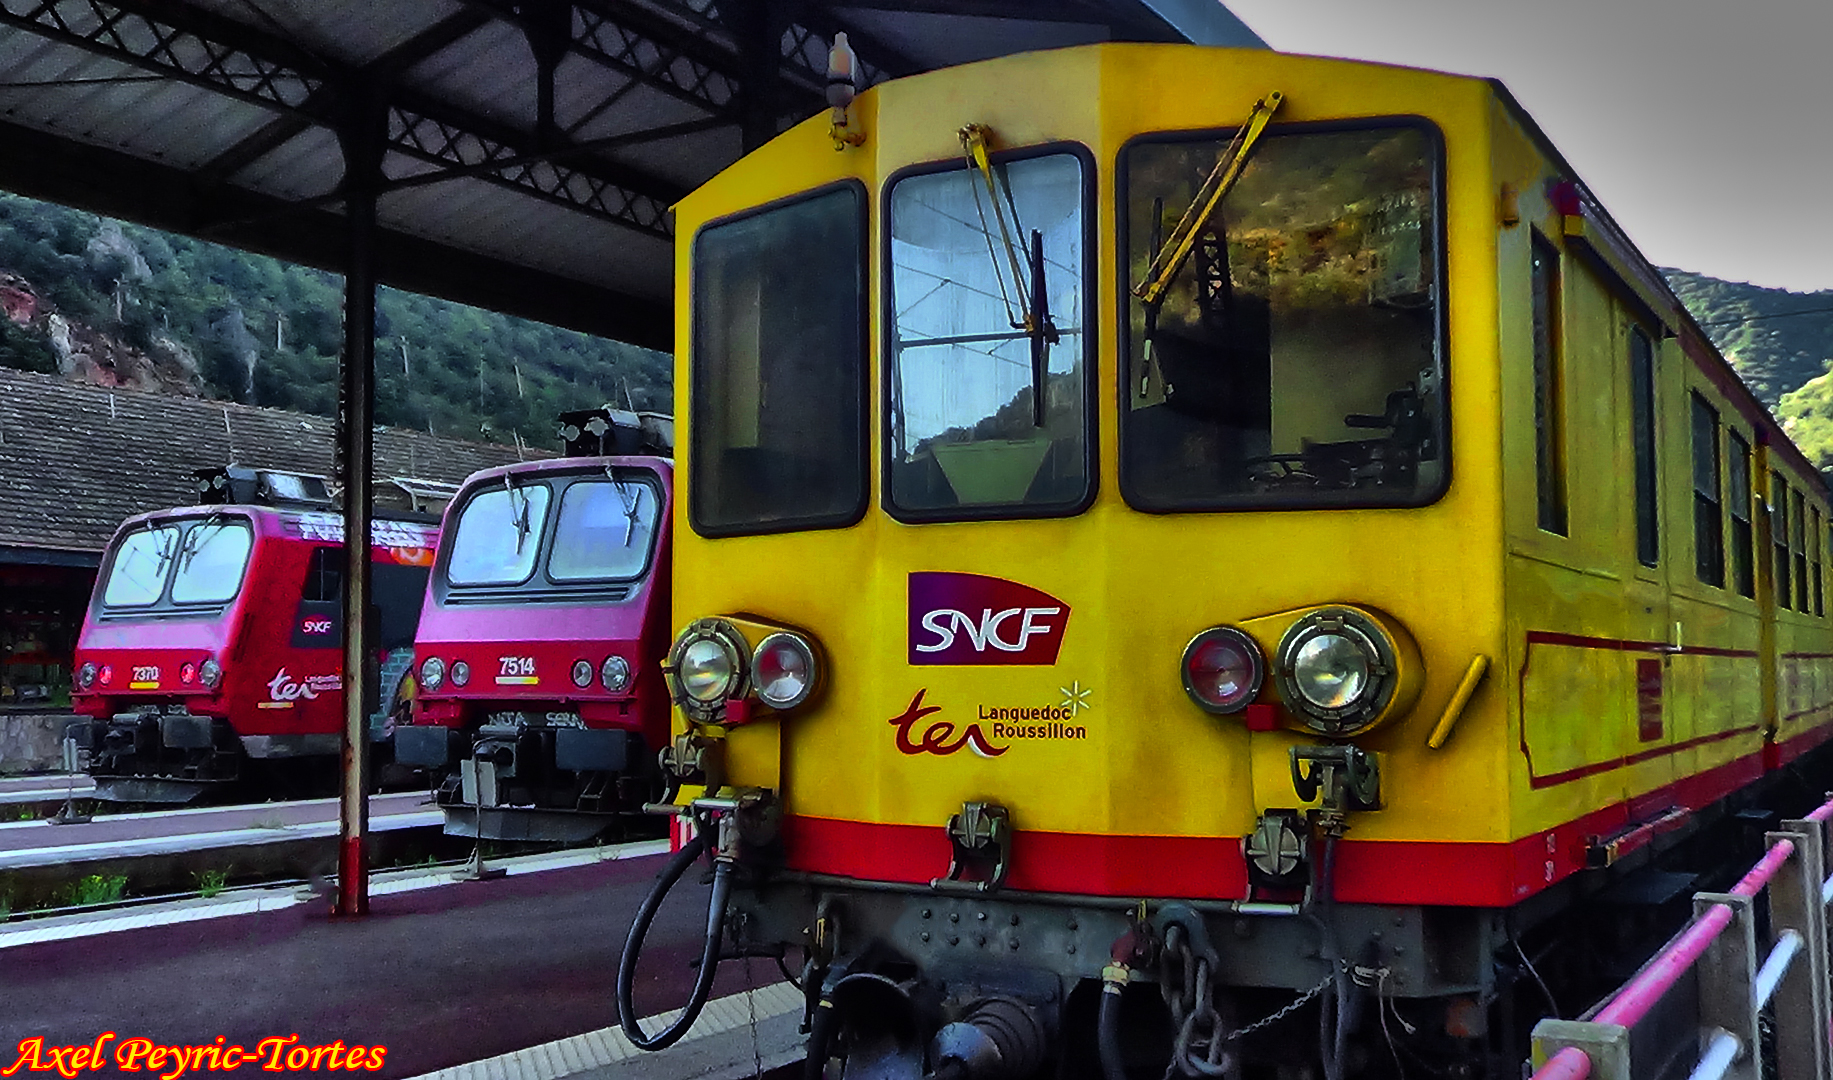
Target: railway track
[{"x": 170, "y": 850}]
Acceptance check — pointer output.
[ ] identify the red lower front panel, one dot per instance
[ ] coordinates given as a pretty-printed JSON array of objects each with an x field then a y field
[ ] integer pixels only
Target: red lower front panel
[{"x": 1367, "y": 871}]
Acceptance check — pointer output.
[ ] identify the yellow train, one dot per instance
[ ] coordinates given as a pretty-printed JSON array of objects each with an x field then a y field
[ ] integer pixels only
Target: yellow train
[{"x": 1239, "y": 522}]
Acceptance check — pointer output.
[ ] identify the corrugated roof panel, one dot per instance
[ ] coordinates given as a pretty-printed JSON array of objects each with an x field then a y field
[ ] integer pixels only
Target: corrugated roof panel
[
  {"x": 478, "y": 217},
  {"x": 937, "y": 40},
  {"x": 351, "y": 31},
  {"x": 693, "y": 159},
  {"x": 307, "y": 165},
  {"x": 491, "y": 72}
]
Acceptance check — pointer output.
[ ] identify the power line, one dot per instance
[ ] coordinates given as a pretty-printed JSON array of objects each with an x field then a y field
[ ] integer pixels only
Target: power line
[{"x": 1777, "y": 315}]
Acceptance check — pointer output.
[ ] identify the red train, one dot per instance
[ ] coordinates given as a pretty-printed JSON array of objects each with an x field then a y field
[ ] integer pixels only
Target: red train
[
  {"x": 541, "y": 703},
  {"x": 210, "y": 658}
]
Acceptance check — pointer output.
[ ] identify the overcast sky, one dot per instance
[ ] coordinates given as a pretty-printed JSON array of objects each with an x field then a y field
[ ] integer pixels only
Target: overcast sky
[{"x": 1705, "y": 126}]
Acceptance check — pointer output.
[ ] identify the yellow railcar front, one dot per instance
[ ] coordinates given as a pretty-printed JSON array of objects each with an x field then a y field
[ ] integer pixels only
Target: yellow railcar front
[{"x": 1140, "y": 495}]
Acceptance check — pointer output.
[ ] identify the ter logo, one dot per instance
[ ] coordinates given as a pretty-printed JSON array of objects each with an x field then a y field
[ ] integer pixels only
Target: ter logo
[{"x": 974, "y": 619}]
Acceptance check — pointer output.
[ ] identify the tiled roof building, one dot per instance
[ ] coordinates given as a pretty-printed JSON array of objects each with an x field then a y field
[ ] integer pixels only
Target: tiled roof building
[{"x": 76, "y": 460}]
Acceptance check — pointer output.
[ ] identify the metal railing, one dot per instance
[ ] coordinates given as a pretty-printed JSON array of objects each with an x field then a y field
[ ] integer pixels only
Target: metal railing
[{"x": 1712, "y": 980}]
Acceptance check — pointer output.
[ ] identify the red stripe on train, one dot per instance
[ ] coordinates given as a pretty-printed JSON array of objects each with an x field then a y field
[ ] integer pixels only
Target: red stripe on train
[{"x": 1210, "y": 867}]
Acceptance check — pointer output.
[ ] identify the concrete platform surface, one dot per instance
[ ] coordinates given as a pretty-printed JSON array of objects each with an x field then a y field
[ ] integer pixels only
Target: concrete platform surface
[{"x": 440, "y": 976}]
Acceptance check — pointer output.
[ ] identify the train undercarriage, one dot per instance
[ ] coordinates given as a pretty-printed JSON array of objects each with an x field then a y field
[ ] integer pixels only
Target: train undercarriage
[
  {"x": 907, "y": 982},
  {"x": 522, "y": 777},
  {"x": 166, "y": 755}
]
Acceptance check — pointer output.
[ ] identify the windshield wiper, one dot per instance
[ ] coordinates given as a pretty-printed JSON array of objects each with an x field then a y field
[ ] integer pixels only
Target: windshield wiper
[
  {"x": 1033, "y": 315},
  {"x": 1169, "y": 257},
  {"x": 1221, "y": 180},
  {"x": 629, "y": 502},
  {"x": 517, "y": 521}
]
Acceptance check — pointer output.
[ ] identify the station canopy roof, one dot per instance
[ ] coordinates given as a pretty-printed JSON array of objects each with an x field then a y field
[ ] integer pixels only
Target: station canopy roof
[{"x": 530, "y": 149}]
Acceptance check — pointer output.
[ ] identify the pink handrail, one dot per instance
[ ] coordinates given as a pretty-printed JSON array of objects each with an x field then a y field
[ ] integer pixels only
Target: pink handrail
[
  {"x": 1640, "y": 994},
  {"x": 1634, "y": 1001}
]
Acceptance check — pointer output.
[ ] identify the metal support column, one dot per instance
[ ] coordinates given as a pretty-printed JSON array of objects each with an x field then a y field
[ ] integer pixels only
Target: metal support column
[{"x": 361, "y": 137}]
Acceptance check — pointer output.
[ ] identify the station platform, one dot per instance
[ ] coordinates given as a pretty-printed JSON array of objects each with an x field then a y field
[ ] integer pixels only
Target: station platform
[{"x": 505, "y": 979}]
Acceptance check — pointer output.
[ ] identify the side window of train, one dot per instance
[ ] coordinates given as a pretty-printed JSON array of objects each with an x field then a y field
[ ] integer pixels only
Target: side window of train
[
  {"x": 1798, "y": 546},
  {"x": 778, "y": 367},
  {"x": 1642, "y": 420},
  {"x": 324, "y": 582},
  {"x": 1743, "y": 555},
  {"x": 1294, "y": 358},
  {"x": 1778, "y": 532},
  {"x": 988, "y": 347},
  {"x": 1814, "y": 563},
  {"x": 1708, "y": 514},
  {"x": 1549, "y": 388}
]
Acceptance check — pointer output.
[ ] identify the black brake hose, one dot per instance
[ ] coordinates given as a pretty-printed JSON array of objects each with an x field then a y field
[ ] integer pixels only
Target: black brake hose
[
  {"x": 709, "y": 957},
  {"x": 1107, "y": 1034}
]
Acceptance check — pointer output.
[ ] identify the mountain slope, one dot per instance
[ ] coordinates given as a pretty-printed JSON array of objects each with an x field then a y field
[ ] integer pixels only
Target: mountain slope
[
  {"x": 118, "y": 304},
  {"x": 1780, "y": 342}
]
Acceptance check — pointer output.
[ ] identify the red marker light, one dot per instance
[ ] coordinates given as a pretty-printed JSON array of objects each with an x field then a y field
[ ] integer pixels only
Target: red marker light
[
  {"x": 1222, "y": 670},
  {"x": 187, "y": 673},
  {"x": 106, "y": 675}
]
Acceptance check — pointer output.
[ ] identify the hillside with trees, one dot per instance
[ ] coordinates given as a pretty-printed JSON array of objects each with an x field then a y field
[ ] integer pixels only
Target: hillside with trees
[
  {"x": 1780, "y": 342},
  {"x": 118, "y": 304}
]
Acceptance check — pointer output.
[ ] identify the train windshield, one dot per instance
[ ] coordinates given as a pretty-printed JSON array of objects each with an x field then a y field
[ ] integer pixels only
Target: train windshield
[
  {"x": 1295, "y": 359},
  {"x": 986, "y": 301},
  {"x": 498, "y": 536},
  {"x": 186, "y": 564},
  {"x": 605, "y": 530}
]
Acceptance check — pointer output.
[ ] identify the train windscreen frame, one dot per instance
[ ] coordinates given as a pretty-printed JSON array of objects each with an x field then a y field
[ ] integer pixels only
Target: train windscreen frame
[
  {"x": 176, "y": 567},
  {"x": 548, "y": 535},
  {"x": 1299, "y": 363},
  {"x": 965, "y": 362},
  {"x": 777, "y": 367}
]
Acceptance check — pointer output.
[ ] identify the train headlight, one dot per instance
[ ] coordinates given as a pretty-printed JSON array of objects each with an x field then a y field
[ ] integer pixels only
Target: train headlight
[
  {"x": 1222, "y": 670},
  {"x": 461, "y": 673},
  {"x": 210, "y": 673},
  {"x": 582, "y": 673},
  {"x": 614, "y": 673},
  {"x": 1339, "y": 669},
  {"x": 432, "y": 673},
  {"x": 784, "y": 670},
  {"x": 708, "y": 663},
  {"x": 85, "y": 675}
]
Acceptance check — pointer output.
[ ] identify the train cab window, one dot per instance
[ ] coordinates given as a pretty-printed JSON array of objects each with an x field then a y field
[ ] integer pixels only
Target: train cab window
[
  {"x": 1778, "y": 532},
  {"x": 1549, "y": 388},
  {"x": 1294, "y": 358},
  {"x": 988, "y": 347},
  {"x": 1737, "y": 474},
  {"x": 777, "y": 369},
  {"x": 1799, "y": 547},
  {"x": 498, "y": 534},
  {"x": 605, "y": 530},
  {"x": 1642, "y": 421},
  {"x": 1708, "y": 514},
  {"x": 136, "y": 576},
  {"x": 211, "y": 559}
]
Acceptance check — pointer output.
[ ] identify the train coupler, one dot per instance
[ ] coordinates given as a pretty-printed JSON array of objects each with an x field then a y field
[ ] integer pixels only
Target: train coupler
[{"x": 981, "y": 837}]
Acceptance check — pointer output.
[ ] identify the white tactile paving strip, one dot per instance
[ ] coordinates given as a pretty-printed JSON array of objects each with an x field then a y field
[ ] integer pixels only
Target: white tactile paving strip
[
  {"x": 608, "y": 1047},
  {"x": 246, "y": 902}
]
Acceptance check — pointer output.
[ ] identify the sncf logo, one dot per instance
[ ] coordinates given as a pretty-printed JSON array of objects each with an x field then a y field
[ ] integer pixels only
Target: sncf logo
[{"x": 974, "y": 619}]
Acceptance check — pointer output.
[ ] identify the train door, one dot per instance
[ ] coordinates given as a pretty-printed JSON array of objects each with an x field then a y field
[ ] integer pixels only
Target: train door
[{"x": 1654, "y": 712}]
